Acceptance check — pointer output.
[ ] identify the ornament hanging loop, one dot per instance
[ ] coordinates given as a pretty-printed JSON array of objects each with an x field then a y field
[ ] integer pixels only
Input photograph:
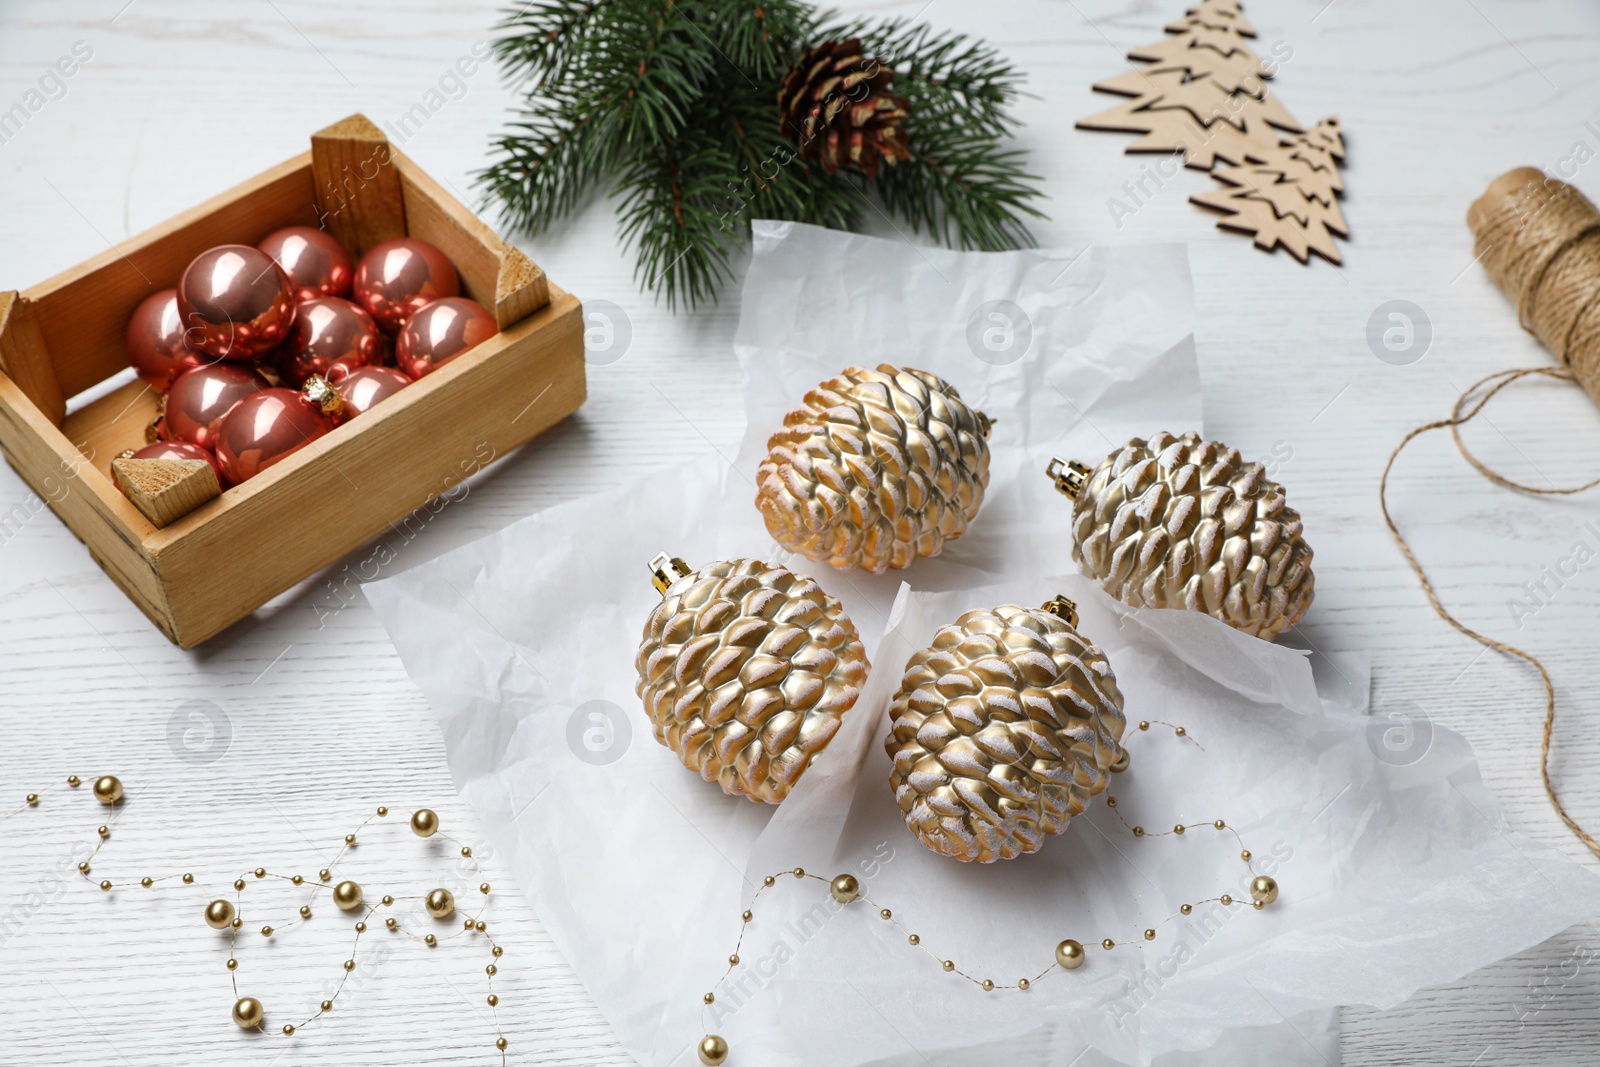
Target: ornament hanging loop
[
  {"x": 666, "y": 569},
  {"x": 1070, "y": 476},
  {"x": 1062, "y": 608}
]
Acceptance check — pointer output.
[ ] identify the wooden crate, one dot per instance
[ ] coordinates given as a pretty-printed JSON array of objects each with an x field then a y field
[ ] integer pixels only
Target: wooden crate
[{"x": 223, "y": 560}]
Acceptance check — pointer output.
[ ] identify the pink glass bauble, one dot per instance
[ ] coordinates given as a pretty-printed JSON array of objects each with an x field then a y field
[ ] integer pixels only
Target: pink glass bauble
[
  {"x": 366, "y": 386},
  {"x": 199, "y": 398},
  {"x": 264, "y": 428},
  {"x": 397, "y": 278},
  {"x": 156, "y": 348},
  {"x": 236, "y": 303},
  {"x": 328, "y": 332},
  {"x": 180, "y": 450},
  {"x": 440, "y": 332},
  {"x": 316, "y": 263}
]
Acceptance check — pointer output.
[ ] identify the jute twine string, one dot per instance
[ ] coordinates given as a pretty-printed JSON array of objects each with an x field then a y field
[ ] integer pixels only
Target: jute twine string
[{"x": 1539, "y": 239}]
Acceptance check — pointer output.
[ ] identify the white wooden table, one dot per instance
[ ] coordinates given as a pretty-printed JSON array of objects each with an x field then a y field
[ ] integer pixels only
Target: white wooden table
[{"x": 317, "y": 722}]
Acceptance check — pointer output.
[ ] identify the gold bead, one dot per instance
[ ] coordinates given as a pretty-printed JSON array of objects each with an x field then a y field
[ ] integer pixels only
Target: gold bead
[
  {"x": 266, "y": 931},
  {"x": 288, "y": 1029},
  {"x": 349, "y": 839},
  {"x": 424, "y": 823},
  {"x": 949, "y": 965},
  {"x": 1022, "y": 984},
  {"x": 465, "y": 851},
  {"x": 327, "y": 1005},
  {"x": 391, "y": 923},
  {"x": 799, "y": 872},
  {"x": 33, "y": 800},
  {"x": 885, "y": 914},
  {"x": 748, "y": 915},
  {"x": 845, "y": 888},
  {"x": 1186, "y": 908},
  {"x": 387, "y": 900},
  {"x": 147, "y": 881},
  {"x": 297, "y": 880},
  {"x": 105, "y": 886},
  {"x": 430, "y": 940},
  {"x": 1220, "y": 825},
  {"x": 347, "y": 895},
  {"x": 733, "y": 960},
  {"x": 237, "y": 923},
  {"x": 261, "y": 872},
  {"x": 188, "y": 879},
  {"x": 713, "y": 1050},
  {"x": 988, "y": 984},
  {"x": 1069, "y": 954},
  {"x": 466, "y": 924},
  {"x": 1245, "y": 855},
  {"x": 1258, "y": 904},
  {"x": 324, "y": 874},
  {"x": 1108, "y": 944},
  {"x": 1180, "y": 731},
  {"x": 248, "y": 1013},
  {"x": 1263, "y": 889},
  {"x": 361, "y": 928},
  {"x": 305, "y": 911},
  {"x": 493, "y": 1000},
  {"x": 349, "y": 965},
  {"x": 219, "y": 913},
  {"x": 1178, "y": 829},
  {"x": 1226, "y": 899},
  {"x": 105, "y": 831},
  {"x": 491, "y": 970},
  {"x": 1111, "y": 802},
  {"x": 1120, "y": 764},
  {"x": 481, "y": 926},
  {"x": 107, "y": 789},
  {"x": 238, "y": 883},
  {"x": 710, "y": 998},
  {"x": 1138, "y": 831},
  {"x": 83, "y": 867},
  {"x": 1144, "y": 725},
  {"x": 441, "y": 903},
  {"x": 1149, "y": 935},
  {"x": 497, "y": 952},
  {"x": 914, "y": 939},
  {"x": 73, "y": 781},
  {"x": 484, "y": 889},
  {"x": 500, "y": 1043},
  {"x": 382, "y": 812},
  {"x": 232, "y": 963},
  {"x": 767, "y": 881}
]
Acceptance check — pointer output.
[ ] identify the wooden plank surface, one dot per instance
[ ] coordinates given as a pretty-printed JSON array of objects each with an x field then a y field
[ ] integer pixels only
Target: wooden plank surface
[{"x": 185, "y": 98}]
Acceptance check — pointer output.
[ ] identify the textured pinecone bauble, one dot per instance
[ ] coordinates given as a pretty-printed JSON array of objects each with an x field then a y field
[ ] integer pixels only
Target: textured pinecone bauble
[
  {"x": 875, "y": 469},
  {"x": 746, "y": 670},
  {"x": 1002, "y": 731},
  {"x": 1177, "y": 522},
  {"x": 836, "y": 105}
]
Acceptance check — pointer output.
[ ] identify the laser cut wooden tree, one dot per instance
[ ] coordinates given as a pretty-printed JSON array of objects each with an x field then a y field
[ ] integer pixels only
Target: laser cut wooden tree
[{"x": 1287, "y": 194}]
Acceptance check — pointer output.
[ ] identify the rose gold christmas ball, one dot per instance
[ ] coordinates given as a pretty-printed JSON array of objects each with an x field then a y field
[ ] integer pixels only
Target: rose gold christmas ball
[
  {"x": 199, "y": 398},
  {"x": 180, "y": 450},
  {"x": 156, "y": 348},
  {"x": 397, "y": 278},
  {"x": 440, "y": 332},
  {"x": 328, "y": 332},
  {"x": 264, "y": 428},
  {"x": 316, "y": 263},
  {"x": 366, "y": 386},
  {"x": 236, "y": 303}
]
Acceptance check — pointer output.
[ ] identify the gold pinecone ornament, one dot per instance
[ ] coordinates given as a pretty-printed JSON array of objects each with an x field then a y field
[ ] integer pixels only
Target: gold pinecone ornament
[
  {"x": 1002, "y": 731},
  {"x": 836, "y": 105},
  {"x": 1177, "y": 522},
  {"x": 746, "y": 670},
  {"x": 875, "y": 469}
]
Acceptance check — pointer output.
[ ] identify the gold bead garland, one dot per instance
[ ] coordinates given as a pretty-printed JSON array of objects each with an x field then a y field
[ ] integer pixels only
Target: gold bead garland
[
  {"x": 222, "y": 914},
  {"x": 1069, "y": 954}
]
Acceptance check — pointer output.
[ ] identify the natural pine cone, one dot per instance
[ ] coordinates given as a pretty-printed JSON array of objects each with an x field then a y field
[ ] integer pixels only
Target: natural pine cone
[
  {"x": 876, "y": 469},
  {"x": 1001, "y": 732},
  {"x": 746, "y": 670},
  {"x": 1177, "y": 522},
  {"x": 836, "y": 105}
]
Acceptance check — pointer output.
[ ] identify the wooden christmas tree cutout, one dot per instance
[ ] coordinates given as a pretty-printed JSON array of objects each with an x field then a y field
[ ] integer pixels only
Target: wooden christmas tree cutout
[
  {"x": 165, "y": 490},
  {"x": 1204, "y": 94}
]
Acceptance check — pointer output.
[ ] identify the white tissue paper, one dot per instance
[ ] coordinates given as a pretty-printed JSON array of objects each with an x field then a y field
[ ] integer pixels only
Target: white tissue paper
[{"x": 1393, "y": 877}]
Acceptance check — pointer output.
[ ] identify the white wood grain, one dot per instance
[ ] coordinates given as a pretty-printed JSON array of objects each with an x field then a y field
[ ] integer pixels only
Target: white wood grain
[{"x": 184, "y": 98}]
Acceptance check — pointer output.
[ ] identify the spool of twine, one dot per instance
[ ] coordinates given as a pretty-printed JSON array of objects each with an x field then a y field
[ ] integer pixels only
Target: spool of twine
[{"x": 1539, "y": 239}]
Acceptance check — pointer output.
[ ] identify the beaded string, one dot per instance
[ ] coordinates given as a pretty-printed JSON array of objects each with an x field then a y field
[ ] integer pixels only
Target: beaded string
[
  {"x": 225, "y": 914},
  {"x": 1069, "y": 953}
]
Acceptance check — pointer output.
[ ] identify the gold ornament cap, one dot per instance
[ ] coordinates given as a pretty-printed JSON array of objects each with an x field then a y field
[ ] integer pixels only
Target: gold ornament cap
[
  {"x": 666, "y": 569},
  {"x": 320, "y": 392},
  {"x": 1070, "y": 476},
  {"x": 1063, "y": 609}
]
